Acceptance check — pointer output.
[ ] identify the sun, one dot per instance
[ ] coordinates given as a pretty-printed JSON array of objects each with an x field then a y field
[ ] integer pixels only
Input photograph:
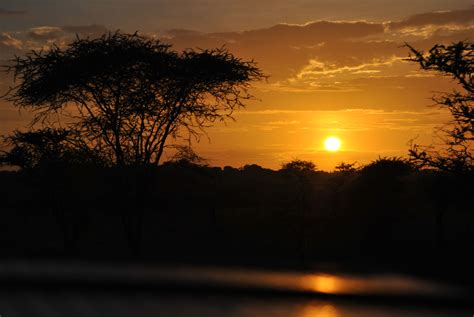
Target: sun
[{"x": 332, "y": 144}]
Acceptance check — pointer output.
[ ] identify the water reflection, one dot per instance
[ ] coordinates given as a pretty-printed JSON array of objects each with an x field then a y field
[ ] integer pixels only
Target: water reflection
[
  {"x": 345, "y": 309},
  {"x": 260, "y": 293},
  {"x": 323, "y": 284},
  {"x": 379, "y": 284},
  {"x": 317, "y": 282},
  {"x": 370, "y": 285},
  {"x": 318, "y": 310}
]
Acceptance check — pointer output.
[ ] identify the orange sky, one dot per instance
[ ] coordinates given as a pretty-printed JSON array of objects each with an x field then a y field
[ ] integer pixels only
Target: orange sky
[{"x": 344, "y": 79}]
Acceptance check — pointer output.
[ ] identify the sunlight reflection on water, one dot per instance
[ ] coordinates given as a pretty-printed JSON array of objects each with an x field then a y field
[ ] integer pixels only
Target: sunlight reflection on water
[
  {"x": 212, "y": 304},
  {"x": 381, "y": 284},
  {"x": 378, "y": 284},
  {"x": 314, "y": 310},
  {"x": 323, "y": 284}
]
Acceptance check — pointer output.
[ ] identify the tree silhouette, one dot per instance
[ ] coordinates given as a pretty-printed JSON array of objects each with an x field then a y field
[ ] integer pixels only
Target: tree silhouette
[
  {"x": 126, "y": 95},
  {"x": 388, "y": 167},
  {"x": 344, "y": 167},
  {"x": 456, "y": 61},
  {"x": 186, "y": 156},
  {"x": 298, "y": 166}
]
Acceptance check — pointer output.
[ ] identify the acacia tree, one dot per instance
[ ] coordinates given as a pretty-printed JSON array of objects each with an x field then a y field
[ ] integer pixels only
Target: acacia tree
[
  {"x": 124, "y": 95},
  {"x": 456, "y": 61}
]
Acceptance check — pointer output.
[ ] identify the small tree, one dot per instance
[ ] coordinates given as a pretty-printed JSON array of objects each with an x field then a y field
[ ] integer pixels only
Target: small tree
[
  {"x": 456, "y": 61},
  {"x": 127, "y": 94}
]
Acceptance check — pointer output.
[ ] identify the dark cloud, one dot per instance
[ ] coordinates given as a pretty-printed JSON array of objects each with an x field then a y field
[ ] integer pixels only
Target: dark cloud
[
  {"x": 11, "y": 12},
  {"x": 85, "y": 30},
  {"x": 212, "y": 15},
  {"x": 307, "y": 34},
  {"x": 315, "y": 32},
  {"x": 436, "y": 18},
  {"x": 181, "y": 33}
]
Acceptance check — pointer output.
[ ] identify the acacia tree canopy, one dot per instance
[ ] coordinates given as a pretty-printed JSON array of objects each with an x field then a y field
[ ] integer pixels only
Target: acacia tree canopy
[
  {"x": 125, "y": 95},
  {"x": 456, "y": 61}
]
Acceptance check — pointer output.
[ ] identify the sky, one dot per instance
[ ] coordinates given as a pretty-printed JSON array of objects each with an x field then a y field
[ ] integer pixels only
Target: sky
[{"x": 335, "y": 67}]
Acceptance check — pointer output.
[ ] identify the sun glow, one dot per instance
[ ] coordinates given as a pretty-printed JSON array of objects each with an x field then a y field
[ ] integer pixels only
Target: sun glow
[{"x": 332, "y": 144}]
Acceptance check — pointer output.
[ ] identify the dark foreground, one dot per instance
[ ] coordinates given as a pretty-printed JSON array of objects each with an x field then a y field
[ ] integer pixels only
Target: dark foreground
[
  {"x": 399, "y": 242},
  {"x": 200, "y": 214}
]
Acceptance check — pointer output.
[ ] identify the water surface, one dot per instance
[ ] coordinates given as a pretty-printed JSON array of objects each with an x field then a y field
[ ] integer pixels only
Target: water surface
[{"x": 51, "y": 289}]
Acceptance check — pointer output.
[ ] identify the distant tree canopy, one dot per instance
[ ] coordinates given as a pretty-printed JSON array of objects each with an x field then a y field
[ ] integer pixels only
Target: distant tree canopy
[
  {"x": 298, "y": 166},
  {"x": 456, "y": 61},
  {"x": 388, "y": 166},
  {"x": 185, "y": 156},
  {"x": 124, "y": 96},
  {"x": 347, "y": 167}
]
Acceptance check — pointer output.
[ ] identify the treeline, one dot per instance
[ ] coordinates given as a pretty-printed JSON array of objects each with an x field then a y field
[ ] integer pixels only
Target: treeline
[{"x": 188, "y": 212}]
